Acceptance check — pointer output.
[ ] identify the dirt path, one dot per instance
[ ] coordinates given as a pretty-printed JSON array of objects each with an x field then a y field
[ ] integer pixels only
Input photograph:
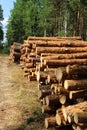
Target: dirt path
[
  {"x": 8, "y": 109},
  {"x": 20, "y": 108}
]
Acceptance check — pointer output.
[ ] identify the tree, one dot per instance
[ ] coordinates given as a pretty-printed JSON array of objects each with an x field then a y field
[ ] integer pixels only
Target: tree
[
  {"x": 47, "y": 18},
  {"x": 1, "y": 18}
]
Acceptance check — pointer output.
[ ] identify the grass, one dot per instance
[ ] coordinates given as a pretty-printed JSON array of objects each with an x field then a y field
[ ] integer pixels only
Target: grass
[{"x": 27, "y": 101}]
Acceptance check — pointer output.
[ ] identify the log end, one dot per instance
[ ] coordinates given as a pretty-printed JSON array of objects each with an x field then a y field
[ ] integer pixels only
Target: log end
[{"x": 66, "y": 84}]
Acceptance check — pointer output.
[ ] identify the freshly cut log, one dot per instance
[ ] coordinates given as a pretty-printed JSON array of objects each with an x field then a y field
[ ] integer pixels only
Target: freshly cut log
[
  {"x": 78, "y": 94},
  {"x": 17, "y": 48},
  {"x": 75, "y": 84},
  {"x": 82, "y": 126},
  {"x": 53, "y": 38},
  {"x": 51, "y": 78},
  {"x": 60, "y": 43},
  {"x": 47, "y": 54},
  {"x": 74, "y": 126},
  {"x": 53, "y": 100},
  {"x": 16, "y": 44},
  {"x": 72, "y": 109},
  {"x": 61, "y": 74},
  {"x": 63, "y": 99},
  {"x": 79, "y": 70},
  {"x": 60, "y": 118},
  {"x": 41, "y": 76},
  {"x": 48, "y": 110},
  {"x": 32, "y": 54},
  {"x": 44, "y": 93},
  {"x": 25, "y": 50},
  {"x": 16, "y": 54},
  {"x": 54, "y": 87},
  {"x": 62, "y": 90},
  {"x": 63, "y": 62},
  {"x": 29, "y": 65},
  {"x": 80, "y": 117},
  {"x": 62, "y": 50},
  {"x": 50, "y": 122},
  {"x": 43, "y": 86},
  {"x": 64, "y": 56}
]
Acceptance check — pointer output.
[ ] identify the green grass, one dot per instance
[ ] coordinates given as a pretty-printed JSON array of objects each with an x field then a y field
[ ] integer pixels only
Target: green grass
[{"x": 26, "y": 100}]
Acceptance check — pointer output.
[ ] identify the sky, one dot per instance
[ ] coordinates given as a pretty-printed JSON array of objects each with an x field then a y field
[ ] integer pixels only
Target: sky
[{"x": 7, "y": 6}]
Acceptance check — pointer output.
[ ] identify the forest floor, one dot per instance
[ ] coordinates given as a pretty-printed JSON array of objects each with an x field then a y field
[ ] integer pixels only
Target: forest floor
[{"x": 20, "y": 108}]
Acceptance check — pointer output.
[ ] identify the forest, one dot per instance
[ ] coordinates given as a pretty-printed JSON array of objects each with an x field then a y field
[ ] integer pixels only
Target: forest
[{"x": 47, "y": 18}]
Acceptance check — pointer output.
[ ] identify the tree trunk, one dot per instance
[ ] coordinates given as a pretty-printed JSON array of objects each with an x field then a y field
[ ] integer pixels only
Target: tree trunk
[
  {"x": 63, "y": 62},
  {"x": 63, "y": 50},
  {"x": 80, "y": 117},
  {"x": 75, "y": 84},
  {"x": 50, "y": 122}
]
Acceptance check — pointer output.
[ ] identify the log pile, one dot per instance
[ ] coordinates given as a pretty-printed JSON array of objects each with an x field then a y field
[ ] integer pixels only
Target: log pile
[
  {"x": 60, "y": 67},
  {"x": 71, "y": 94},
  {"x": 15, "y": 53}
]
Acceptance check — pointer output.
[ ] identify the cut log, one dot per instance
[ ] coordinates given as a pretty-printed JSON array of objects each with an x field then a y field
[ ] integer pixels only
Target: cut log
[
  {"x": 50, "y": 122},
  {"x": 62, "y": 50},
  {"x": 78, "y": 94},
  {"x": 79, "y": 70},
  {"x": 60, "y": 119},
  {"x": 62, "y": 90},
  {"x": 48, "y": 110},
  {"x": 30, "y": 65},
  {"x": 16, "y": 54},
  {"x": 82, "y": 127},
  {"x": 63, "y": 56},
  {"x": 80, "y": 117},
  {"x": 58, "y": 43},
  {"x": 53, "y": 100},
  {"x": 75, "y": 84},
  {"x": 63, "y": 99},
  {"x": 41, "y": 76},
  {"x": 71, "y": 110},
  {"x": 53, "y": 38},
  {"x": 44, "y": 93},
  {"x": 61, "y": 74},
  {"x": 63, "y": 62},
  {"x": 43, "y": 86},
  {"x": 51, "y": 78}
]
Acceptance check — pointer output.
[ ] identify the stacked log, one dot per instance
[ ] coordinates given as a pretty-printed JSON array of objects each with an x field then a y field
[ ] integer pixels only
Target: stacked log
[
  {"x": 28, "y": 60},
  {"x": 15, "y": 53},
  {"x": 59, "y": 66}
]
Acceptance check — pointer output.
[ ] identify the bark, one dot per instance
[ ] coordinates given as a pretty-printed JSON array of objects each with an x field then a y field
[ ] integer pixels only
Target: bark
[
  {"x": 75, "y": 84},
  {"x": 78, "y": 94},
  {"x": 80, "y": 117},
  {"x": 50, "y": 122},
  {"x": 48, "y": 110},
  {"x": 64, "y": 56},
  {"x": 72, "y": 109},
  {"x": 62, "y": 50},
  {"x": 79, "y": 70},
  {"x": 41, "y": 76},
  {"x": 63, "y": 62},
  {"x": 44, "y": 93},
  {"x": 53, "y": 38},
  {"x": 53, "y": 100}
]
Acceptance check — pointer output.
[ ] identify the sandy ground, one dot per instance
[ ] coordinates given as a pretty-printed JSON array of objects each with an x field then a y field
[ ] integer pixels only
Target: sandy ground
[
  {"x": 9, "y": 113},
  {"x": 20, "y": 108}
]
